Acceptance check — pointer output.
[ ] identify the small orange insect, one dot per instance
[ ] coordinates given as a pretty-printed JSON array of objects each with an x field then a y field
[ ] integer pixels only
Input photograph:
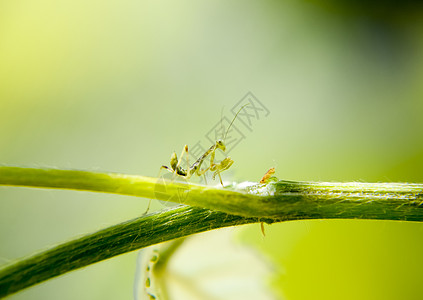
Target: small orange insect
[{"x": 268, "y": 174}]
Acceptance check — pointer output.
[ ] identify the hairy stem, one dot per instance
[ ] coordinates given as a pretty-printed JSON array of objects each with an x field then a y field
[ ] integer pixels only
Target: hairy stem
[
  {"x": 122, "y": 238},
  {"x": 210, "y": 208},
  {"x": 277, "y": 200}
]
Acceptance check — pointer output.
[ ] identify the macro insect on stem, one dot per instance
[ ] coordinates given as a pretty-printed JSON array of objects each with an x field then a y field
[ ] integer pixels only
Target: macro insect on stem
[{"x": 195, "y": 168}]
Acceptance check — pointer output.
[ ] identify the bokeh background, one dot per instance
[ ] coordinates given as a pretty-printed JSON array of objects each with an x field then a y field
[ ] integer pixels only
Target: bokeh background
[{"x": 118, "y": 85}]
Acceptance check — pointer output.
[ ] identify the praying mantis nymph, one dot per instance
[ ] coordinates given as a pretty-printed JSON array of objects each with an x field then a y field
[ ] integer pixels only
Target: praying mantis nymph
[{"x": 195, "y": 168}]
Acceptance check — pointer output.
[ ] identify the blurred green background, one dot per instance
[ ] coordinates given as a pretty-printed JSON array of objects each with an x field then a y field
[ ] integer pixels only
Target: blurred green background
[{"x": 118, "y": 85}]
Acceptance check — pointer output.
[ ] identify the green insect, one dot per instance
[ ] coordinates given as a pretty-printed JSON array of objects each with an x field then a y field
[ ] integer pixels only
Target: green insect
[{"x": 195, "y": 168}]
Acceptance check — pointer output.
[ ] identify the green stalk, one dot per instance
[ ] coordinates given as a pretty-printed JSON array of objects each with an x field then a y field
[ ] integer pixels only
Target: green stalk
[
  {"x": 115, "y": 240},
  {"x": 210, "y": 208},
  {"x": 277, "y": 200}
]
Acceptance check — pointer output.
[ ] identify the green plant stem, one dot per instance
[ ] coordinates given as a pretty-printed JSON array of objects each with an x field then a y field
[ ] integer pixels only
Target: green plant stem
[
  {"x": 122, "y": 238},
  {"x": 213, "y": 208},
  {"x": 279, "y": 200}
]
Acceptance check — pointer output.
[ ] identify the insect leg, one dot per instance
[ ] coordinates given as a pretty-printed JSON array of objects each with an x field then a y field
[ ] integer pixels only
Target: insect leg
[
  {"x": 220, "y": 167},
  {"x": 173, "y": 157},
  {"x": 167, "y": 168},
  {"x": 185, "y": 150},
  {"x": 178, "y": 170}
]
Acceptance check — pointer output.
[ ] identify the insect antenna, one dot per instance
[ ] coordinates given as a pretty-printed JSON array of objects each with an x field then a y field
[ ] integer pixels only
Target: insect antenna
[
  {"x": 222, "y": 129},
  {"x": 227, "y": 130}
]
